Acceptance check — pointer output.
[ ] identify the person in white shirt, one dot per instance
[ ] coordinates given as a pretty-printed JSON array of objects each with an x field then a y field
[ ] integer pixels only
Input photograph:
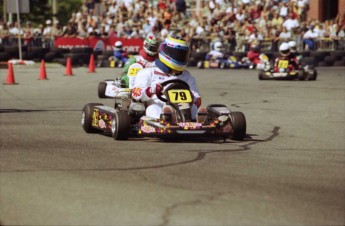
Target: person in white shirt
[{"x": 309, "y": 38}]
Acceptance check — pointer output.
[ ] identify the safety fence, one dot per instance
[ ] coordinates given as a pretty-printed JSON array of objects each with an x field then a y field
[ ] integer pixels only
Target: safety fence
[{"x": 203, "y": 44}]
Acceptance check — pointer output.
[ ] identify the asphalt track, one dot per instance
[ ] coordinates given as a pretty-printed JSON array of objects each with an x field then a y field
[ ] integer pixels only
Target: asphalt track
[{"x": 290, "y": 170}]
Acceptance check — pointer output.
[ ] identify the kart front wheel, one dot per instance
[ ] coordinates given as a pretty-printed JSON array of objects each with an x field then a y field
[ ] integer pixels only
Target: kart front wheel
[
  {"x": 86, "y": 117},
  {"x": 101, "y": 89},
  {"x": 239, "y": 126},
  {"x": 120, "y": 125}
]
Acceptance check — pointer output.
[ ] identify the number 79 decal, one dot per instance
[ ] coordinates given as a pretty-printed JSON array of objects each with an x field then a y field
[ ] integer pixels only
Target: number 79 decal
[{"x": 180, "y": 96}]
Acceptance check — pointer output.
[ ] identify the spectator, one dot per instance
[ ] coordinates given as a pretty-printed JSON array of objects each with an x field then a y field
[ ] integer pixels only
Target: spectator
[
  {"x": 309, "y": 38},
  {"x": 181, "y": 8}
]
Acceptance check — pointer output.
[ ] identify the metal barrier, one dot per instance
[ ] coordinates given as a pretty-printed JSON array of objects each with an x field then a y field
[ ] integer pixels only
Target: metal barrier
[{"x": 203, "y": 44}]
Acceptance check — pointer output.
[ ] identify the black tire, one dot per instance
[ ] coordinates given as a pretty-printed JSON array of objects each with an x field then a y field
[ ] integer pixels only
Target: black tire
[
  {"x": 323, "y": 64},
  {"x": 330, "y": 59},
  {"x": 261, "y": 75},
  {"x": 337, "y": 54},
  {"x": 86, "y": 118},
  {"x": 101, "y": 89},
  {"x": 120, "y": 125},
  {"x": 302, "y": 75},
  {"x": 239, "y": 125},
  {"x": 339, "y": 63},
  {"x": 312, "y": 76},
  {"x": 308, "y": 61}
]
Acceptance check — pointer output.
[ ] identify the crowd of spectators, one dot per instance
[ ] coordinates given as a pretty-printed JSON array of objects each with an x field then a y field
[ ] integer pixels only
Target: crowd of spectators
[{"x": 238, "y": 23}]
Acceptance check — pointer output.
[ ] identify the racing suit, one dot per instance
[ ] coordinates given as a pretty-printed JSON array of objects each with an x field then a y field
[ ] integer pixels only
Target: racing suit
[
  {"x": 150, "y": 77},
  {"x": 253, "y": 56},
  {"x": 143, "y": 59},
  {"x": 292, "y": 65},
  {"x": 214, "y": 54}
]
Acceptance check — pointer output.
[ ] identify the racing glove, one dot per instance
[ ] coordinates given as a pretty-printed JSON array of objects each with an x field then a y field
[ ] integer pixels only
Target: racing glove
[
  {"x": 197, "y": 102},
  {"x": 154, "y": 89}
]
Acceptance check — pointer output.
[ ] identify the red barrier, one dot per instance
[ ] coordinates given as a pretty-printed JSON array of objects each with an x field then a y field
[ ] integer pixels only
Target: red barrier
[{"x": 131, "y": 45}]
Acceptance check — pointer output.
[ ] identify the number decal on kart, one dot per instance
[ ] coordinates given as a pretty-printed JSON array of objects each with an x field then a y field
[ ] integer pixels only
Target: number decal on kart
[
  {"x": 180, "y": 96},
  {"x": 133, "y": 71},
  {"x": 283, "y": 64}
]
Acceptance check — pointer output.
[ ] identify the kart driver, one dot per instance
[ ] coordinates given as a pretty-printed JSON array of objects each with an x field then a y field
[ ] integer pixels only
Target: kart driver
[
  {"x": 119, "y": 54},
  {"x": 146, "y": 57},
  {"x": 254, "y": 54},
  {"x": 293, "y": 51},
  {"x": 171, "y": 64},
  {"x": 216, "y": 53},
  {"x": 284, "y": 50}
]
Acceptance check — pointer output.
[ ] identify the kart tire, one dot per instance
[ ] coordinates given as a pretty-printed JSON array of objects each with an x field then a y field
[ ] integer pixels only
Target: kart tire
[
  {"x": 261, "y": 75},
  {"x": 101, "y": 89},
  {"x": 120, "y": 125},
  {"x": 239, "y": 126},
  {"x": 312, "y": 75},
  {"x": 302, "y": 75},
  {"x": 86, "y": 118}
]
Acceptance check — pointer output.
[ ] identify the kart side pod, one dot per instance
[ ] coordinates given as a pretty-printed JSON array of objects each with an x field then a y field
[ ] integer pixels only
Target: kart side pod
[{"x": 215, "y": 110}]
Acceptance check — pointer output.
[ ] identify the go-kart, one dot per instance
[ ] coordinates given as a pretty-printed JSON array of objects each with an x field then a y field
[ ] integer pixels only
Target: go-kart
[
  {"x": 264, "y": 63},
  {"x": 230, "y": 62},
  {"x": 115, "y": 62},
  {"x": 110, "y": 88},
  {"x": 128, "y": 118},
  {"x": 286, "y": 71}
]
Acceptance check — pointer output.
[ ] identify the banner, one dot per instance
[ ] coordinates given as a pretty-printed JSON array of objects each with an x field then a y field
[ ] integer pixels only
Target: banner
[{"x": 131, "y": 45}]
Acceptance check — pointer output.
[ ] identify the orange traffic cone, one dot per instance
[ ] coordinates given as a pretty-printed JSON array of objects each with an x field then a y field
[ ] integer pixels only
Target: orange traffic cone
[
  {"x": 43, "y": 73},
  {"x": 92, "y": 64},
  {"x": 68, "y": 67},
  {"x": 10, "y": 76}
]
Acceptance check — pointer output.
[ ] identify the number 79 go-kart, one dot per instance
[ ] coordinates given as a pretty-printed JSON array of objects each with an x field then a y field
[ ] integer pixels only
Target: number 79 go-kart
[{"x": 128, "y": 118}]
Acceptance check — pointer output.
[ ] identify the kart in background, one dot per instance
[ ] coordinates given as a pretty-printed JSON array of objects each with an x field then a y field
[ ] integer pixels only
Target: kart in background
[
  {"x": 226, "y": 63},
  {"x": 127, "y": 118},
  {"x": 285, "y": 71},
  {"x": 264, "y": 63}
]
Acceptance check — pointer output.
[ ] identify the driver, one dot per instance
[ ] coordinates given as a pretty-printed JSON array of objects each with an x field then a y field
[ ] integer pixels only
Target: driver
[
  {"x": 146, "y": 57},
  {"x": 119, "y": 53},
  {"x": 217, "y": 52},
  {"x": 293, "y": 51},
  {"x": 285, "y": 54},
  {"x": 171, "y": 64}
]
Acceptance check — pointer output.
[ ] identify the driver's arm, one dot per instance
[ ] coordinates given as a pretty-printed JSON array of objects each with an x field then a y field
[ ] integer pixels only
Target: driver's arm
[{"x": 145, "y": 86}]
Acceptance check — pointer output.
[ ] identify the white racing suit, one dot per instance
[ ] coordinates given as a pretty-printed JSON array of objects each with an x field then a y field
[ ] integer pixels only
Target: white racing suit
[{"x": 149, "y": 77}]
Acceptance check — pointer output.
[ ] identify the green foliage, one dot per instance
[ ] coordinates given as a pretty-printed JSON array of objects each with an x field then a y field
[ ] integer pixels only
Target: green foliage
[{"x": 41, "y": 10}]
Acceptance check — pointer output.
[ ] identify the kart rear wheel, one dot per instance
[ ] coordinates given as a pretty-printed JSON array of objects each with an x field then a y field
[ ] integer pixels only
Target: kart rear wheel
[
  {"x": 239, "y": 125},
  {"x": 86, "y": 117},
  {"x": 261, "y": 75},
  {"x": 312, "y": 75},
  {"x": 120, "y": 125},
  {"x": 302, "y": 75}
]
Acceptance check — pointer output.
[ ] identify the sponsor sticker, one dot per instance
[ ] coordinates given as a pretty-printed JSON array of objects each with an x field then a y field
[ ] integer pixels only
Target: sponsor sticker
[{"x": 136, "y": 92}]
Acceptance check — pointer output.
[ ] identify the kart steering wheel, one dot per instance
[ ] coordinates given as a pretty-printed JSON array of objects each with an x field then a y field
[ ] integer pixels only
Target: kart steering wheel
[
  {"x": 164, "y": 84},
  {"x": 180, "y": 83}
]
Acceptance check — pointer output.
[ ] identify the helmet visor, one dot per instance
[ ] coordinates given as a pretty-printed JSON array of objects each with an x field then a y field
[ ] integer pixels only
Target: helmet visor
[
  {"x": 285, "y": 51},
  {"x": 180, "y": 53},
  {"x": 152, "y": 48}
]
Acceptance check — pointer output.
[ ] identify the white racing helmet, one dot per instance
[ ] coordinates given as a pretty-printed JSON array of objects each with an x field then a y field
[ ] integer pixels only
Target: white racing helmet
[
  {"x": 218, "y": 46},
  {"x": 292, "y": 45},
  {"x": 118, "y": 45},
  {"x": 284, "y": 49}
]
